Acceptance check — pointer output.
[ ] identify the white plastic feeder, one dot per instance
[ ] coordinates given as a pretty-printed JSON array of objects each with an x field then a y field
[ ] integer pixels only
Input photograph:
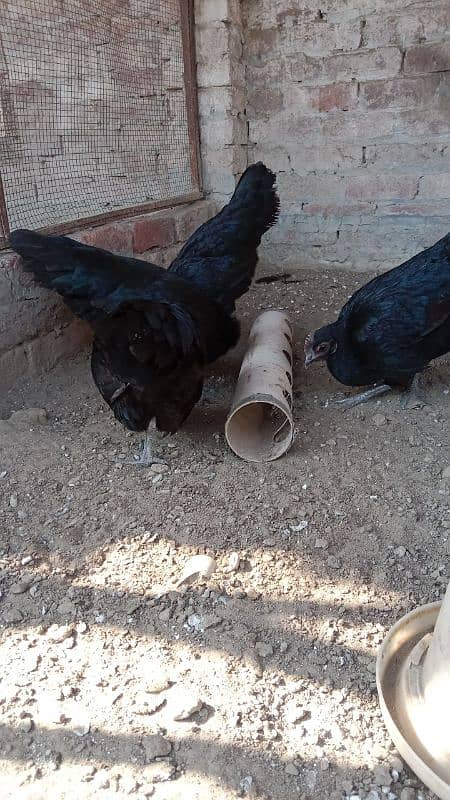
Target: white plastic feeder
[
  {"x": 413, "y": 681},
  {"x": 260, "y": 426}
]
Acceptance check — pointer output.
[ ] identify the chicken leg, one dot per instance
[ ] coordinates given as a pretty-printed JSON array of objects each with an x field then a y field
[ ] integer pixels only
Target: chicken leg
[
  {"x": 147, "y": 457},
  {"x": 363, "y": 397},
  {"x": 415, "y": 395}
]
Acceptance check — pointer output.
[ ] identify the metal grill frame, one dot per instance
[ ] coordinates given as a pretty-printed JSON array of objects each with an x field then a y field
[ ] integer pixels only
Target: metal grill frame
[{"x": 187, "y": 24}]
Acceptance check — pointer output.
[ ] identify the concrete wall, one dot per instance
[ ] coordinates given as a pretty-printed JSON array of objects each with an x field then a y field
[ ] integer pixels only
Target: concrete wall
[
  {"x": 221, "y": 95},
  {"x": 349, "y": 101}
]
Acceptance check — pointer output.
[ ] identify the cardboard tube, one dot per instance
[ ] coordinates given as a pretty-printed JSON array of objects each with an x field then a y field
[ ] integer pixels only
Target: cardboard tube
[
  {"x": 413, "y": 679},
  {"x": 260, "y": 426}
]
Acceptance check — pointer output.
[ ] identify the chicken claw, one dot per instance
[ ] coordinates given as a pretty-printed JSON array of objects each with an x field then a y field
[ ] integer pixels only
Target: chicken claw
[{"x": 363, "y": 397}]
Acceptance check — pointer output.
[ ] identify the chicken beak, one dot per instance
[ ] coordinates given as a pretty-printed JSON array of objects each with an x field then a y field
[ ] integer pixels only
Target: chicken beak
[{"x": 309, "y": 358}]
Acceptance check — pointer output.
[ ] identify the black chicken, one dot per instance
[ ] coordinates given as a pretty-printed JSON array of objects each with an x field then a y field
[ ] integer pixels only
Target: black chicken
[
  {"x": 391, "y": 328},
  {"x": 156, "y": 330}
]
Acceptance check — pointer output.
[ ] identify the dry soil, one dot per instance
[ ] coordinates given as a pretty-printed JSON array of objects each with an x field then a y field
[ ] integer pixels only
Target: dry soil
[{"x": 258, "y": 681}]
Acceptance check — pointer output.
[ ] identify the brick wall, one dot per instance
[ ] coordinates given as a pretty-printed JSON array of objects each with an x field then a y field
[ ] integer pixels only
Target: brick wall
[
  {"x": 37, "y": 330},
  {"x": 350, "y": 103},
  {"x": 221, "y": 95}
]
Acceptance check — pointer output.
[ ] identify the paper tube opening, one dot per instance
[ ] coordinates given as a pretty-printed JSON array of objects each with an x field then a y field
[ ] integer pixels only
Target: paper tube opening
[{"x": 260, "y": 426}]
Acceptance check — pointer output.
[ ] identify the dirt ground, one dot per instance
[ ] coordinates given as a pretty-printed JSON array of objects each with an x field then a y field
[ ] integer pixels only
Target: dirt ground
[{"x": 258, "y": 681}]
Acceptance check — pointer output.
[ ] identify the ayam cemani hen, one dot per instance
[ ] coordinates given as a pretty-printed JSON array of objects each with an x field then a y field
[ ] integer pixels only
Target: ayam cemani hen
[
  {"x": 391, "y": 328},
  {"x": 156, "y": 330}
]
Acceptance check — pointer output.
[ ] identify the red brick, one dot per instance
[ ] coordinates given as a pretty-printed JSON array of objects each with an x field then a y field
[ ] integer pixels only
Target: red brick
[
  {"x": 115, "y": 237},
  {"x": 435, "y": 187},
  {"x": 189, "y": 218},
  {"x": 416, "y": 209},
  {"x": 336, "y": 97},
  {"x": 337, "y": 210},
  {"x": 428, "y": 58},
  {"x": 265, "y": 101},
  {"x": 383, "y": 62},
  {"x": 259, "y": 43},
  {"x": 45, "y": 351},
  {"x": 403, "y": 29},
  {"x": 315, "y": 38},
  {"x": 406, "y": 154},
  {"x": 374, "y": 187},
  {"x": 152, "y": 231},
  {"x": 400, "y": 93}
]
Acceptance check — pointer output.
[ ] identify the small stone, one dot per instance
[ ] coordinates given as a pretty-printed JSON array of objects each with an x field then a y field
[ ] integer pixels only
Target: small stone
[
  {"x": 159, "y": 469},
  {"x": 82, "y": 627},
  {"x": 246, "y": 785},
  {"x": 333, "y": 562},
  {"x": 100, "y": 618},
  {"x": 81, "y": 725},
  {"x": 147, "y": 790},
  {"x": 55, "y": 759},
  {"x": 26, "y": 560},
  {"x": 446, "y": 473},
  {"x": 397, "y": 764},
  {"x": 324, "y": 764},
  {"x": 67, "y": 608},
  {"x": 264, "y": 649},
  {"x": 321, "y": 544},
  {"x": 233, "y": 563},
  {"x": 12, "y": 616},
  {"x": 301, "y": 526},
  {"x": 187, "y": 709},
  {"x": 23, "y": 585},
  {"x": 58, "y": 633},
  {"x": 165, "y": 614},
  {"x": 101, "y": 779},
  {"x": 400, "y": 551},
  {"x": 157, "y": 683},
  {"x": 87, "y": 773},
  {"x": 294, "y": 712},
  {"x": 13, "y": 501},
  {"x": 252, "y": 662},
  {"x": 382, "y": 776},
  {"x": 408, "y": 794},
  {"x": 25, "y": 725},
  {"x": 158, "y": 772},
  {"x": 156, "y": 746},
  {"x": 30, "y": 417},
  {"x": 200, "y": 566},
  {"x": 211, "y": 621},
  {"x": 379, "y": 419},
  {"x": 291, "y": 769},
  {"x": 148, "y": 704}
]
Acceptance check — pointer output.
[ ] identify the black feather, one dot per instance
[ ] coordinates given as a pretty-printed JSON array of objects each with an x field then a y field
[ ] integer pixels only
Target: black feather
[
  {"x": 221, "y": 256},
  {"x": 392, "y": 327}
]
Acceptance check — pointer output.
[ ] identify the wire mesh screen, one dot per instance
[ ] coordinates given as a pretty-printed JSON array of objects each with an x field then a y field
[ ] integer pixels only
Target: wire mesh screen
[{"x": 94, "y": 108}]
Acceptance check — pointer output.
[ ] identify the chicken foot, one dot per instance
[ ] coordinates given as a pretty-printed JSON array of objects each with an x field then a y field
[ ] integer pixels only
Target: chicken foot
[
  {"x": 147, "y": 457},
  {"x": 363, "y": 397},
  {"x": 415, "y": 395}
]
